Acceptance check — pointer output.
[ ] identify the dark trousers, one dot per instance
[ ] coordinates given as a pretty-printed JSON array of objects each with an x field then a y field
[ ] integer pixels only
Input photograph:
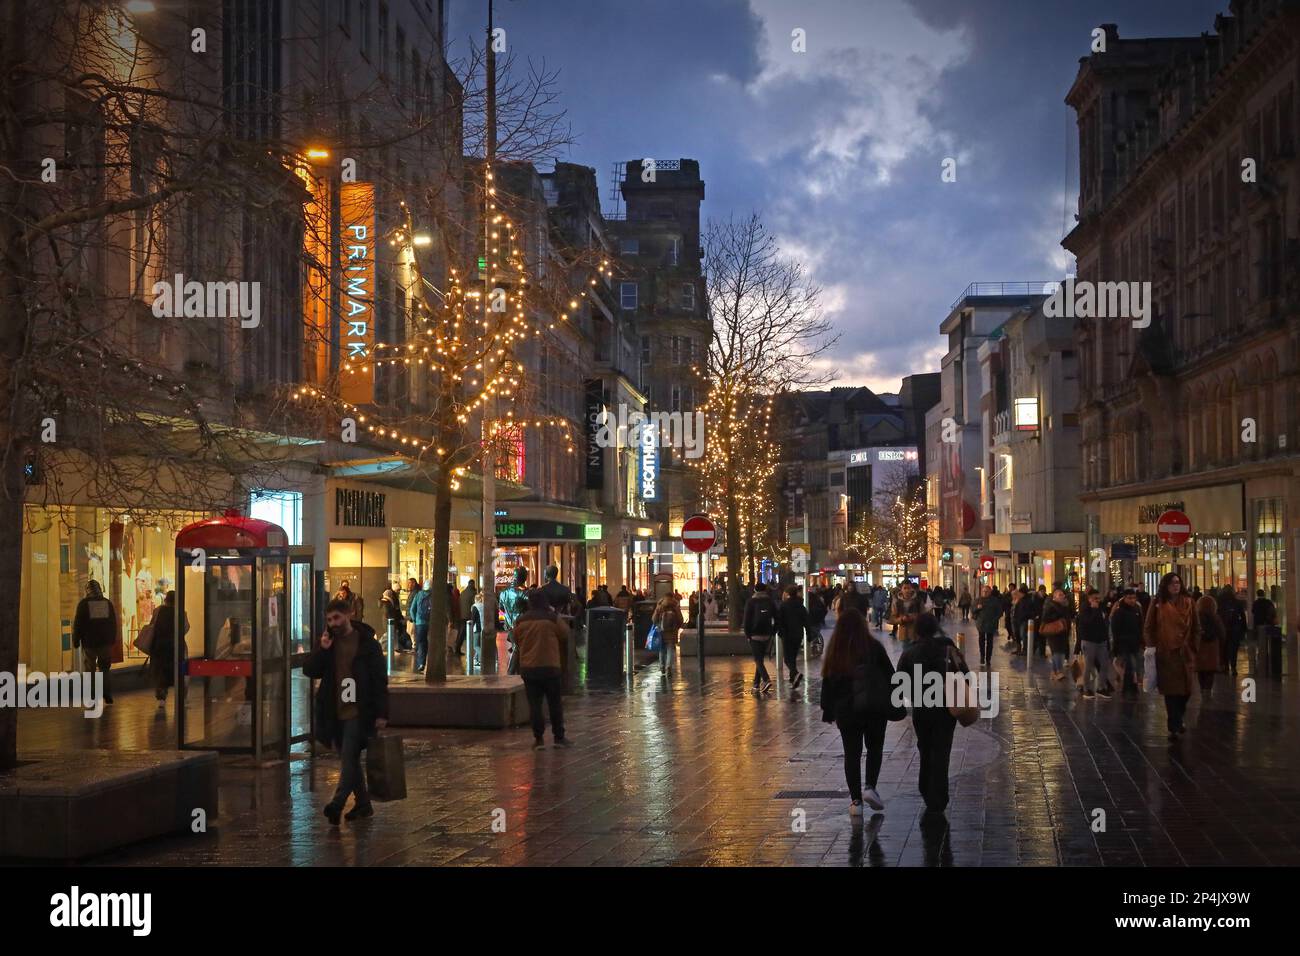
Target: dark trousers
[
  {"x": 986, "y": 645},
  {"x": 759, "y": 650},
  {"x": 1207, "y": 681},
  {"x": 965, "y": 613},
  {"x": 1131, "y": 661},
  {"x": 546, "y": 685},
  {"x": 352, "y": 777},
  {"x": 934, "y": 728},
  {"x": 1175, "y": 710},
  {"x": 790, "y": 651},
  {"x": 870, "y": 732},
  {"x": 100, "y": 659},
  {"x": 421, "y": 645},
  {"x": 1231, "y": 646}
]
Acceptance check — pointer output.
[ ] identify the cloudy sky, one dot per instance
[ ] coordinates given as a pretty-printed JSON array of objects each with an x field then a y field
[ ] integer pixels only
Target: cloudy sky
[{"x": 840, "y": 148}]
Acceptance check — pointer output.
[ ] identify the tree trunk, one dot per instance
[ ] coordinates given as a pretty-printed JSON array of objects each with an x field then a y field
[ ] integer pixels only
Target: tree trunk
[
  {"x": 734, "y": 609},
  {"x": 14, "y": 105},
  {"x": 439, "y": 603}
]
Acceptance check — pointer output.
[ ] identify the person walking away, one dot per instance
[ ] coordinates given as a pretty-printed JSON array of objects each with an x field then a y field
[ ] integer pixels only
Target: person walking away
[
  {"x": 1173, "y": 627},
  {"x": 904, "y": 611},
  {"x": 1021, "y": 610},
  {"x": 879, "y": 606},
  {"x": 512, "y": 607},
  {"x": 1126, "y": 631},
  {"x": 351, "y": 702},
  {"x": 94, "y": 631},
  {"x": 467, "y": 598},
  {"x": 1209, "y": 653},
  {"x": 792, "y": 622},
  {"x": 668, "y": 617},
  {"x": 1093, "y": 632},
  {"x": 988, "y": 611},
  {"x": 851, "y": 597},
  {"x": 395, "y": 623},
  {"x": 855, "y": 695},
  {"x": 1056, "y": 627},
  {"x": 542, "y": 642},
  {"x": 933, "y": 652},
  {"x": 417, "y": 607},
  {"x": 1233, "y": 615},
  {"x": 760, "y": 625},
  {"x": 162, "y": 652},
  {"x": 601, "y": 597},
  {"x": 964, "y": 603},
  {"x": 623, "y": 600}
]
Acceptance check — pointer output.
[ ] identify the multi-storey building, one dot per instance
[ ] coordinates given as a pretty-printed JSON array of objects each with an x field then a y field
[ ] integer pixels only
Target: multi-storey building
[
  {"x": 1030, "y": 501},
  {"x": 842, "y": 448},
  {"x": 954, "y": 428},
  {"x": 1189, "y": 182}
]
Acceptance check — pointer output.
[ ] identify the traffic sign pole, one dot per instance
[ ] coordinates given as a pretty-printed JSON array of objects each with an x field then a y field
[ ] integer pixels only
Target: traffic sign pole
[
  {"x": 699, "y": 614},
  {"x": 698, "y": 534}
]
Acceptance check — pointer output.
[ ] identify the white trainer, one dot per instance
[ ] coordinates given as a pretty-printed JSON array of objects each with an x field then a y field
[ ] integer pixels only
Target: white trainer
[{"x": 873, "y": 799}]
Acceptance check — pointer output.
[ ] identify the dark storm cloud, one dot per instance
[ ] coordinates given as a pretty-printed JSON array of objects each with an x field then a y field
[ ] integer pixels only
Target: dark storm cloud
[{"x": 839, "y": 148}]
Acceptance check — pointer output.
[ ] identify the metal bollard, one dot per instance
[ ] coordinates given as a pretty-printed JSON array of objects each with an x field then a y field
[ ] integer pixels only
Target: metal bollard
[{"x": 392, "y": 629}]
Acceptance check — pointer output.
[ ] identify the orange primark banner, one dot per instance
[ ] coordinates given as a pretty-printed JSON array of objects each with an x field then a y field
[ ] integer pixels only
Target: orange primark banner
[{"x": 357, "y": 316}]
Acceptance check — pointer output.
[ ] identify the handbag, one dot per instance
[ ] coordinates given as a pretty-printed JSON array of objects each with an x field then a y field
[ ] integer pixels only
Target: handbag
[
  {"x": 1077, "y": 667},
  {"x": 963, "y": 707},
  {"x": 1054, "y": 626},
  {"x": 144, "y": 639},
  {"x": 654, "y": 638},
  {"x": 386, "y": 767},
  {"x": 1150, "y": 675}
]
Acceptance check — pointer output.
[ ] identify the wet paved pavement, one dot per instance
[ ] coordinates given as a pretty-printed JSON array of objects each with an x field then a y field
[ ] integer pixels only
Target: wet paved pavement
[{"x": 670, "y": 774}]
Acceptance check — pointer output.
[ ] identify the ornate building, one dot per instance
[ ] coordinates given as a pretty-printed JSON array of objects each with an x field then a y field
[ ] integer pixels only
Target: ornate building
[{"x": 1188, "y": 182}]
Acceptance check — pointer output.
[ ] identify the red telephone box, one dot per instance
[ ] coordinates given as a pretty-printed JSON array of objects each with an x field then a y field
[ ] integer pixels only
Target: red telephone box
[{"x": 244, "y": 606}]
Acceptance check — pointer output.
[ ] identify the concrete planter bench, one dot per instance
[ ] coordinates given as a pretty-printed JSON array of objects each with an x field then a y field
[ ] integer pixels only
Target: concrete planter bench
[
  {"x": 67, "y": 806},
  {"x": 493, "y": 702}
]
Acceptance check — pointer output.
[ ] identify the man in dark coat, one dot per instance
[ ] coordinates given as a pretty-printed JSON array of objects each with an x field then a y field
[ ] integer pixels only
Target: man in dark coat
[
  {"x": 94, "y": 630},
  {"x": 351, "y": 701}
]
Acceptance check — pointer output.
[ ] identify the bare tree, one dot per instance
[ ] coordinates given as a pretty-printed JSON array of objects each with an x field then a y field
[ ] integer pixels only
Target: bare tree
[{"x": 767, "y": 329}]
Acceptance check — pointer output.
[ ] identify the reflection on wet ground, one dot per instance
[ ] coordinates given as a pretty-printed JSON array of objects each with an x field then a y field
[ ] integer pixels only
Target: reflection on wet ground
[{"x": 679, "y": 774}]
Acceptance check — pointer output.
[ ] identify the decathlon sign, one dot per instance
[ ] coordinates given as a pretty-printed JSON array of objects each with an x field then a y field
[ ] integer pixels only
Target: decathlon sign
[{"x": 648, "y": 461}]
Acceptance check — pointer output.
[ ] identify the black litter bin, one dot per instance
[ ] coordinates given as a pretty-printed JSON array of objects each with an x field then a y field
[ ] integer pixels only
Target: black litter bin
[
  {"x": 606, "y": 628},
  {"x": 642, "y": 612},
  {"x": 1272, "y": 647}
]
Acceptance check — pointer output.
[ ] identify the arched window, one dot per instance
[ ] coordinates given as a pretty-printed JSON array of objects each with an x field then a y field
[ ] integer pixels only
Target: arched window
[
  {"x": 1268, "y": 409},
  {"x": 1229, "y": 438}
]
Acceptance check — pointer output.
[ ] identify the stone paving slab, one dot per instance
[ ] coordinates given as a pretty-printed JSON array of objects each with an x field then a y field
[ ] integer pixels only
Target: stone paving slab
[{"x": 670, "y": 774}]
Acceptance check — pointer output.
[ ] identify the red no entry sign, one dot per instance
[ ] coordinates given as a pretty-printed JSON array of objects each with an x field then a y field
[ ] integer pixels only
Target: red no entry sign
[
  {"x": 1174, "y": 528},
  {"x": 698, "y": 533}
]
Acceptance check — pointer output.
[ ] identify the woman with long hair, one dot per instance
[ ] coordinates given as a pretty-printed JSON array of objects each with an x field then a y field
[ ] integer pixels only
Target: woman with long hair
[
  {"x": 1209, "y": 653},
  {"x": 1056, "y": 626},
  {"x": 1173, "y": 628},
  {"x": 856, "y": 686}
]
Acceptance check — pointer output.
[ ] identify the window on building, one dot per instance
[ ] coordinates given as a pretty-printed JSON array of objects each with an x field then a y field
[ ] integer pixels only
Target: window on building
[
  {"x": 283, "y": 508},
  {"x": 675, "y": 404},
  {"x": 674, "y": 248},
  {"x": 688, "y": 296},
  {"x": 627, "y": 296},
  {"x": 630, "y": 247}
]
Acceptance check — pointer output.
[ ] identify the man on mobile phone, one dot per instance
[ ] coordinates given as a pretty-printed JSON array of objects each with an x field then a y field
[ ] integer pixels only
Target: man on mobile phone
[{"x": 351, "y": 701}]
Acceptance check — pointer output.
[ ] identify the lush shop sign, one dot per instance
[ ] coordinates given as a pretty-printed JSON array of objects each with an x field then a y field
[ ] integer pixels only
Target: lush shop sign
[{"x": 521, "y": 529}]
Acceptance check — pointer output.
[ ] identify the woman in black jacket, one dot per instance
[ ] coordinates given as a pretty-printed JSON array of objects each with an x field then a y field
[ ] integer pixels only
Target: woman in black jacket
[
  {"x": 1233, "y": 615},
  {"x": 1056, "y": 625},
  {"x": 932, "y": 652},
  {"x": 162, "y": 652},
  {"x": 856, "y": 687}
]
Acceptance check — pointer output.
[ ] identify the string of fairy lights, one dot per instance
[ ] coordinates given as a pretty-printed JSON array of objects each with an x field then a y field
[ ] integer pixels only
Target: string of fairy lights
[{"x": 471, "y": 342}]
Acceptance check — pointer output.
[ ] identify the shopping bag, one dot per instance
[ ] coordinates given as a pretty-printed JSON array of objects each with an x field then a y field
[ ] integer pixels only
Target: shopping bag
[
  {"x": 144, "y": 639},
  {"x": 386, "y": 768},
  {"x": 1077, "y": 668},
  {"x": 1149, "y": 682},
  {"x": 654, "y": 638},
  {"x": 965, "y": 704}
]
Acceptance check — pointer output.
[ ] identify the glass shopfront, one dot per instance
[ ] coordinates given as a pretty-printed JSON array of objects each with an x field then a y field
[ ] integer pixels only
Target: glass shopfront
[
  {"x": 412, "y": 555},
  {"x": 132, "y": 558},
  {"x": 1270, "y": 553}
]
